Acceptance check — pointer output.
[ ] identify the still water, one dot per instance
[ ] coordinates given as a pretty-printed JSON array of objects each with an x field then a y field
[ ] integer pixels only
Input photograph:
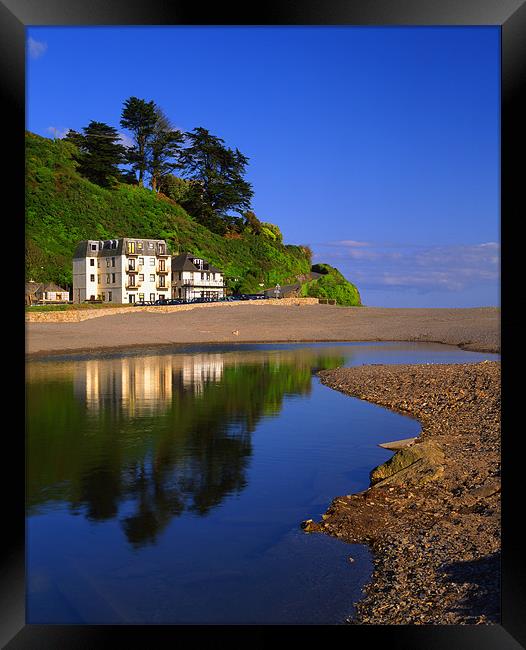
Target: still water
[{"x": 168, "y": 487}]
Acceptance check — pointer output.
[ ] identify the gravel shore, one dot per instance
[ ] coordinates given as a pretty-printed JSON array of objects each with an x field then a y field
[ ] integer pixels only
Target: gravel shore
[
  {"x": 434, "y": 527},
  {"x": 473, "y": 329}
]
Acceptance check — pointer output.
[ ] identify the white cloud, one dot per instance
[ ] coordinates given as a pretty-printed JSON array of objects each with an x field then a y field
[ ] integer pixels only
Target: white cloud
[
  {"x": 425, "y": 268},
  {"x": 36, "y": 48},
  {"x": 126, "y": 140},
  {"x": 57, "y": 132}
]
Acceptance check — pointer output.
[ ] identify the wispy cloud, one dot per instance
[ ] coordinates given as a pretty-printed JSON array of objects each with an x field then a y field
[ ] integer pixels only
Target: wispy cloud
[
  {"x": 424, "y": 268},
  {"x": 126, "y": 140},
  {"x": 57, "y": 132},
  {"x": 36, "y": 48}
]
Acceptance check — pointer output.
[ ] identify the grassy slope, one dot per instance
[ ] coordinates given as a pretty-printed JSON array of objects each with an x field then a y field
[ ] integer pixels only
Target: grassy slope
[
  {"x": 331, "y": 284},
  {"x": 62, "y": 208}
]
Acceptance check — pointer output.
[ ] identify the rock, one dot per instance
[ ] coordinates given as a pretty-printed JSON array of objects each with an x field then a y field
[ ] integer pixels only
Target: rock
[
  {"x": 430, "y": 466},
  {"x": 395, "y": 445}
]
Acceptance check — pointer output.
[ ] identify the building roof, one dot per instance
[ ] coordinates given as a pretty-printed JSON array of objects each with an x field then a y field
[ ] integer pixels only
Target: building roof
[
  {"x": 111, "y": 247},
  {"x": 185, "y": 262},
  {"x": 41, "y": 287}
]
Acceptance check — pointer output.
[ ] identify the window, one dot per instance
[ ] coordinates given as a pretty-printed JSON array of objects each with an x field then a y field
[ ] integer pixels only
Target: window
[
  {"x": 113, "y": 278},
  {"x": 139, "y": 245},
  {"x": 152, "y": 297},
  {"x": 150, "y": 244},
  {"x": 108, "y": 262},
  {"x": 141, "y": 260},
  {"x": 113, "y": 261},
  {"x": 92, "y": 261},
  {"x": 152, "y": 261},
  {"x": 141, "y": 296},
  {"x": 109, "y": 296},
  {"x": 107, "y": 278},
  {"x": 98, "y": 264},
  {"x": 102, "y": 295},
  {"x": 94, "y": 247},
  {"x": 98, "y": 278},
  {"x": 141, "y": 277},
  {"x": 131, "y": 247},
  {"x": 152, "y": 277},
  {"x": 92, "y": 278}
]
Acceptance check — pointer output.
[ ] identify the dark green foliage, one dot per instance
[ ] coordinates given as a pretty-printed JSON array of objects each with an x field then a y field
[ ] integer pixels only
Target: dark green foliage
[
  {"x": 333, "y": 285},
  {"x": 139, "y": 117},
  {"x": 99, "y": 153},
  {"x": 63, "y": 208},
  {"x": 163, "y": 150},
  {"x": 218, "y": 171}
]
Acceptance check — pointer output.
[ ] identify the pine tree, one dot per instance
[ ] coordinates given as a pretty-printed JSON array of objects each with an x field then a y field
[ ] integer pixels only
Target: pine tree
[
  {"x": 100, "y": 152},
  {"x": 139, "y": 117},
  {"x": 218, "y": 174}
]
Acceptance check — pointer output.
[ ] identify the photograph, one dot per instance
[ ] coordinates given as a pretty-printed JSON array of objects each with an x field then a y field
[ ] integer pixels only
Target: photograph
[{"x": 262, "y": 326}]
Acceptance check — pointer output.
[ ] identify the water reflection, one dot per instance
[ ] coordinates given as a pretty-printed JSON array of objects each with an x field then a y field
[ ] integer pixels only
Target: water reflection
[{"x": 142, "y": 439}]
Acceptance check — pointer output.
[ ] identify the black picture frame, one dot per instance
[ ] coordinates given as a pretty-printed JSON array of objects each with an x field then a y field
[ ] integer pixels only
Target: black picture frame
[{"x": 510, "y": 15}]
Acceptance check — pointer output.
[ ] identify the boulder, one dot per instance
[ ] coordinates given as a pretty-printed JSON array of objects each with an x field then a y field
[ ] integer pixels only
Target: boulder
[{"x": 415, "y": 464}]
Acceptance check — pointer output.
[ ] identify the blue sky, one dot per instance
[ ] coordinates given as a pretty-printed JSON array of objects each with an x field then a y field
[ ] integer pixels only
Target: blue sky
[{"x": 378, "y": 147}]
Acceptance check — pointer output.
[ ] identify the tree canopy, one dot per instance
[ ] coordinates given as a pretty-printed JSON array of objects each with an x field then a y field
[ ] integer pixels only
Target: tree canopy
[{"x": 100, "y": 152}]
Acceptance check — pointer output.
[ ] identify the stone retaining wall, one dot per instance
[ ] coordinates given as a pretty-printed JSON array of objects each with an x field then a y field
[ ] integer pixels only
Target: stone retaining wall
[{"x": 75, "y": 316}]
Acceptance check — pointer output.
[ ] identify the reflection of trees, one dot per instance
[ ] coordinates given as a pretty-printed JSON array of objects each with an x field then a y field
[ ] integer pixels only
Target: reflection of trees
[{"x": 112, "y": 444}]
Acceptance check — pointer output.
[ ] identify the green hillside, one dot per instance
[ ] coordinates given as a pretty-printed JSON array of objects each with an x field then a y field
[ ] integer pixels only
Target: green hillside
[
  {"x": 331, "y": 284},
  {"x": 63, "y": 208}
]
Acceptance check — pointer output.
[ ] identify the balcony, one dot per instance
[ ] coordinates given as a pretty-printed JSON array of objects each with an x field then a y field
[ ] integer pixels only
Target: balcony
[
  {"x": 133, "y": 284},
  {"x": 203, "y": 283},
  {"x": 162, "y": 252},
  {"x": 133, "y": 269},
  {"x": 162, "y": 287},
  {"x": 160, "y": 270}
]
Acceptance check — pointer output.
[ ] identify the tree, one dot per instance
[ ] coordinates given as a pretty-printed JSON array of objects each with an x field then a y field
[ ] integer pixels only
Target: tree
[
  {"x": 252, "y": 222},
  {"x": 163, "y": 149},
  {"x": 100, "y": 152},
  {"x": 139, "y": 117},
  {"x": 219, "y": 173}
]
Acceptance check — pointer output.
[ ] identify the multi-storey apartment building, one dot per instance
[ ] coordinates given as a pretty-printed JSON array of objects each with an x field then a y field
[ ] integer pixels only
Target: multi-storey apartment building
[
  {"x": 121, "y": 270},
  {"x": 194, "y": 277}
]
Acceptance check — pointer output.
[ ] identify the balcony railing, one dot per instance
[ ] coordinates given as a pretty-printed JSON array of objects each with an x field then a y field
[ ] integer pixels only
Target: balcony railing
[
  {"x": 159, "y": 269},
  {"x": 163, "y": 253},
  {"x": 135, "y": 284},
  {"x": 134, "y": 269},
  {"x": 162, "y": 287},
  {"x": 203, "y": 283}
]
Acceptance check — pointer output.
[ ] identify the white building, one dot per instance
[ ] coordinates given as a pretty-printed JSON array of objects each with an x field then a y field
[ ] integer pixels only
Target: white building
[
  {"x": 121, "y": 270},
  {"x": 194, "y": 277}
]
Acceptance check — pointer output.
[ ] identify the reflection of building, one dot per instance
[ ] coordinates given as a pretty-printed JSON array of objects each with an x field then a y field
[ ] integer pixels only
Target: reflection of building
[
  {"x": 200, "y": 369},
  {"x": 143, "y": 384},
  {"x": 137, "y": 384}
]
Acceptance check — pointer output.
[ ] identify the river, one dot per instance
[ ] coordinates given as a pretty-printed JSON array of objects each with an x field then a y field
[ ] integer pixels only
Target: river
[{"x": 168, "y": 487}]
